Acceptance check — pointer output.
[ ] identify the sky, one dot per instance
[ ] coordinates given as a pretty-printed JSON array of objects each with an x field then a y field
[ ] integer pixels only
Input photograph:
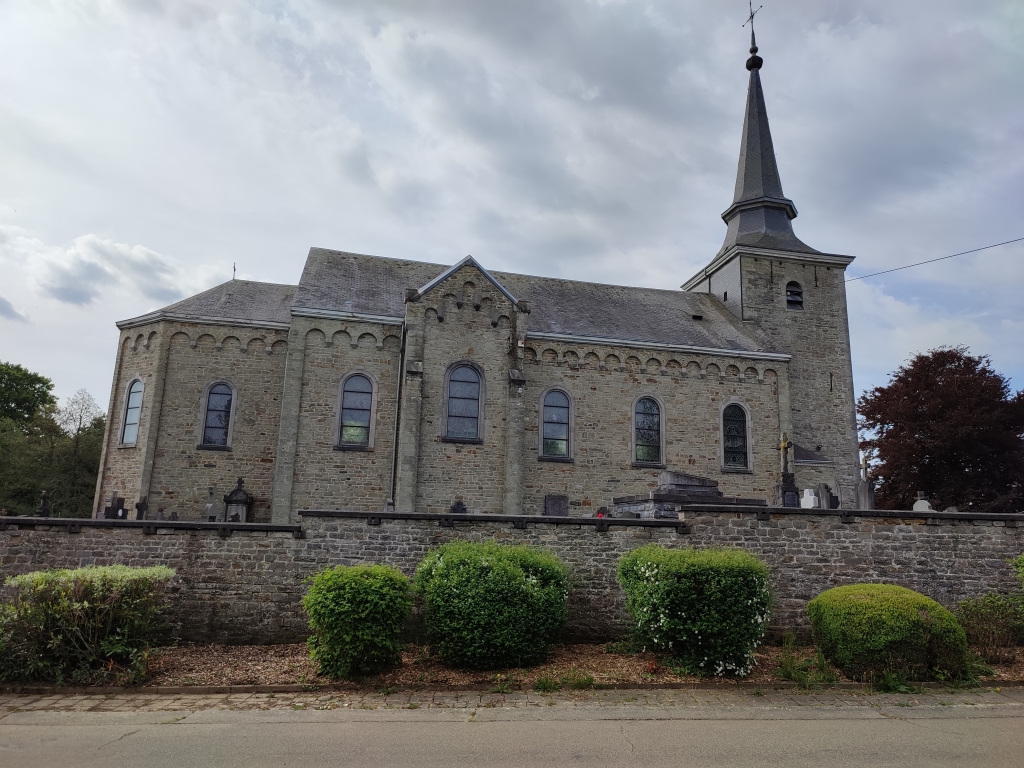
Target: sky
[{"x": 146, "y": 146}]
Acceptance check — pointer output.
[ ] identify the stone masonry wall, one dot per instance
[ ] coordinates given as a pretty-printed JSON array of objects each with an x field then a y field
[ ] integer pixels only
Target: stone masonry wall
[
  {"x": 324, "y": 477},
  {"x": 247, "y": 587},
  {"x": 603, "y": 384},
  {"x": 252, "y": 360},
  {"x": 822, "y": 396}
]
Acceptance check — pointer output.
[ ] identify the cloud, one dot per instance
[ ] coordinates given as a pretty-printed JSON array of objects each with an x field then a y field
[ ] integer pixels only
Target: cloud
[{"x": 8, "y": 311}]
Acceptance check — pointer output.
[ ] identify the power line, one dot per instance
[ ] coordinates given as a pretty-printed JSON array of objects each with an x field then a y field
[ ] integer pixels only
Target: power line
[{"x": 929, "y": 261}]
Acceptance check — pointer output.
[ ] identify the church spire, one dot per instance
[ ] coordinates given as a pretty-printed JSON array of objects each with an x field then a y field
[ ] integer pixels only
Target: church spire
[{"x": 760, "y": 213}]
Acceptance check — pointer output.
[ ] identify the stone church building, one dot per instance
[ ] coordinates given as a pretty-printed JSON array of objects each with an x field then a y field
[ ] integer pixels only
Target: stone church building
[{"x": 379, "y": 381}]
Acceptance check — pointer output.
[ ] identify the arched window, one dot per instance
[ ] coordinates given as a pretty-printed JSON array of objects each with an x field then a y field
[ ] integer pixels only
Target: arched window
[
  {"x": 132, "y": 411},
  {"x": 647, "y": 429},
  {"x": 218, "y": 416},
  {"x": 463, "y": 421},
  {"x": 555, "y": 425},
  {"x": 794, "y": 295},
  {"x": 356, "y": 411},
  {"x": 734, "y": 437}
]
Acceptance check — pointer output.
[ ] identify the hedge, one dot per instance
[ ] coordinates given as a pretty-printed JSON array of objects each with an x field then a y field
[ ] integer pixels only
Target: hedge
[
  {"x": 707, "y": 607},
  {"x": 357, "y": 615},
  {"x": 89, "y": 625},
  {"x": 869, "y": 629},
  {"x": 491, "y": 605}
]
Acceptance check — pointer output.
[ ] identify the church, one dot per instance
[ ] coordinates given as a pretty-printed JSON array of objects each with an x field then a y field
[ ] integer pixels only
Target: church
[{"x": 380, "y": 383}]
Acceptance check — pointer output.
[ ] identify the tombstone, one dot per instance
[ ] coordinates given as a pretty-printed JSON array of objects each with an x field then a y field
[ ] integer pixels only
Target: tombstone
[
  {"x": 865, "y": 487},
  {"x": 44, "y": 506},
  {"x": 159, "y": 513},
  {"x": 790, "y": 493},
  {"x": 237, "y": 504},
  {"x": 458, "y": 507},
  {"x": 209, "y": 514},
  {"x": 826, "y": 498},
  {"x": 115, "y": 510},
  {"x": 809, "y": 500},
  {"x": 140, "y": 508},
  {"x": 556, "y": 505},
  {"x": 922, "y": 504},
  {"x": 174, "y": 515}
]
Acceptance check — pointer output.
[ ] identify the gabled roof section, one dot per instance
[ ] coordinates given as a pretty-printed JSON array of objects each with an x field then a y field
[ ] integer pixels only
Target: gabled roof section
[
  {"x": 236, "y": 302},
  {"x": 339, "y": 281},
  {"x": 469, "y": 260}
]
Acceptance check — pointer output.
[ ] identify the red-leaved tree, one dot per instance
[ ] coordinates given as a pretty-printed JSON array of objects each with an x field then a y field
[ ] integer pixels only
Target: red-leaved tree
[{"x": 950, "y": 426}]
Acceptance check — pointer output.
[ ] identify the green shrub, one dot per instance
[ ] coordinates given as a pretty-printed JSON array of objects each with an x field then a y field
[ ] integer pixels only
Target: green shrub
[
  {"x": 357, "y": 615},
  {"x": 1018, "y": 567},
  {"x": 994, "y": 623},
  {"x": 868, "y": 629},
  {"x": 490, "y": 605},
  {"x": 90, "y": 625},
  {"x": 707, "y": 607}
]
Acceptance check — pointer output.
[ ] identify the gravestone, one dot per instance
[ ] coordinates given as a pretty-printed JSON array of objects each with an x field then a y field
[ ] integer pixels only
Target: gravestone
[
  {"x": 115, "y": 510},
  {"x": 210, "y": 515},
  {"x": 458, "y": 507},
  {"x": 922, "y": 504},
  {"x": 174, "y": 514},
  {"x": 827, "y": 499},
  {"x": 237, "y": 504},
  {"x": 140, "y": 508},
  {"x": 865, "y": 487},
  {"x": 809, "y": 500},
  {"x": 556, "y": 505},
  {"x": 788, "y": 491},
  {"x": 44, "y": 506}
]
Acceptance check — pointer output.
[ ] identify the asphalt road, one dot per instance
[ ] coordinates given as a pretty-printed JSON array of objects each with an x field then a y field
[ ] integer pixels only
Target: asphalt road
[{"x": 957, "y": 734}]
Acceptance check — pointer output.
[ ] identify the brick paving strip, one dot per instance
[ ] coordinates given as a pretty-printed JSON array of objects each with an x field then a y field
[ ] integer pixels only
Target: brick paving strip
[{"x": 708, "y": 702}]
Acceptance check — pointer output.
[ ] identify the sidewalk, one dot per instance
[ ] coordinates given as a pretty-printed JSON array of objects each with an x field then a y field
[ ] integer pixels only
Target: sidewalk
[{"x": 695, "y": 703}]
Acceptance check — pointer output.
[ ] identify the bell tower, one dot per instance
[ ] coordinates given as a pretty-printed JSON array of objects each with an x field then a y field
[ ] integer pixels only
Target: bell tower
[{"x": 765, "y": 275}]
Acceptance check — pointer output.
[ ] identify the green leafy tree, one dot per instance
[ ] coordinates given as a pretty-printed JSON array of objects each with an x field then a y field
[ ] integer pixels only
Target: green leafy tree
[
  {"x": 949, "y": 425},
  {"x": 57, "y": 450},
  {"x": 23, "y": 393}
]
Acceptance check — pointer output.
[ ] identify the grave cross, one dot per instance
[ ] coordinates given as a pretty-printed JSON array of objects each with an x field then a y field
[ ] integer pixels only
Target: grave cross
[
  {"x": 116, "y": 509},
  {"x": 140, "y": 508}
]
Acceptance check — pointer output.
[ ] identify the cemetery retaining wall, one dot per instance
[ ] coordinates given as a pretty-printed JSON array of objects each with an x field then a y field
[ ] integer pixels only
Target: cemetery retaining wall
[{"x": 243, "y": 583}]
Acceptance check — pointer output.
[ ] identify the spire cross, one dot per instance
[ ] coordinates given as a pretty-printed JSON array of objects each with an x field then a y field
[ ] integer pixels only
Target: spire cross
[{"x": 750, "y": 21}]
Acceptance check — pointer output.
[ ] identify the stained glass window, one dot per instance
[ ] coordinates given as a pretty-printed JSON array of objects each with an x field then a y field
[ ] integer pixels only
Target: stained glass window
[
  {"x": 556, "y": 425},
  {"x": 132, "y": 410},
  {"x": 648, "y": 431},
  {"x": 463, "y": 404},
  {"x": 356, "y": 407},
  {"x": 218, "y": 415},
  {"x": 734, "y": 432}
]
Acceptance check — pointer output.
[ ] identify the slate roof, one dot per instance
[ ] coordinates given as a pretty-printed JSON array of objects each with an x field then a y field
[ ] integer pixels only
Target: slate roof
[
  {"x": 243, "y": 301},
  {"x": 760, "y": 213},
  {"x": 348, "y": 282}
]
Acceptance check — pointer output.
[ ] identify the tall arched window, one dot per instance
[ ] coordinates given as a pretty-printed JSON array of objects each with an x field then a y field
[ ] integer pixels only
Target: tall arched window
[
  {"x": 555, "y": 425},
  {"x": 734, "y": 437},
  {"x": 218, "y": 416},
  {"x": 463, "y": 404},
  {"x": 794, "y": 295},
  {"x": 647, "y": 427},
  {"x": 132, "y": 411},
  {"x": 356, "y": 411}
]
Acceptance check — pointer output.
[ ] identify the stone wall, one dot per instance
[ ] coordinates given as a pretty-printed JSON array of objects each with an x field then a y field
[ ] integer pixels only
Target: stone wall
[
  {"x": 177, "y": 362},
  {"x": 246, "y": 587},
  {"x": 605, "y": 382}
]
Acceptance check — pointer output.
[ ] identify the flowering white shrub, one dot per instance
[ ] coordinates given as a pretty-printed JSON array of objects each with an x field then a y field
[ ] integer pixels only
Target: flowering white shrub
[{"x": 707, "y": 607}]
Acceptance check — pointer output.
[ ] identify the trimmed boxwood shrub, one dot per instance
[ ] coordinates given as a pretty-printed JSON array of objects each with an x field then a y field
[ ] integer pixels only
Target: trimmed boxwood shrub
[
  {"x": 89, "y": 625},
  {"x": 491, "y": 605},
  {"x": 870, "y": 629},
  {"x": 707, "y": 607},
  {"x": 357, "y": 614}
]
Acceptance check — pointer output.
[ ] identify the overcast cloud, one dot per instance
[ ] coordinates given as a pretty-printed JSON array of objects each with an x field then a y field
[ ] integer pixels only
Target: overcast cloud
[{"x": 145, "y": 146}]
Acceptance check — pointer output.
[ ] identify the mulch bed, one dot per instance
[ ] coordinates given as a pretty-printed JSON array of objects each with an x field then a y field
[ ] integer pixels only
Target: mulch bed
[{"x": 222, "y": 665}]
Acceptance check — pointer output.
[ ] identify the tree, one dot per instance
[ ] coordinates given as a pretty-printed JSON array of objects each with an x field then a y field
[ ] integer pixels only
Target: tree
[
  {"x": 23, "y": 393},
  {"x": 950, "y": 426},
  {"x": 57, "y": 450}
]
